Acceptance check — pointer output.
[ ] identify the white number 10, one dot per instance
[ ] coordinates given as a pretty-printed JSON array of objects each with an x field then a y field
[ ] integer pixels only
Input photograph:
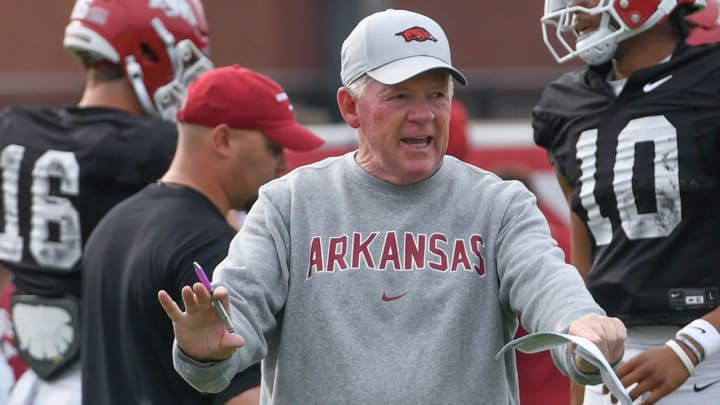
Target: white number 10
[{"x": 668, "y": 211}]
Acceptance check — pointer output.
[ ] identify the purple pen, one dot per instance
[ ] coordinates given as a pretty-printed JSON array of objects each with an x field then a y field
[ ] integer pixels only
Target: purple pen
[{"x": 216, "y": 303}]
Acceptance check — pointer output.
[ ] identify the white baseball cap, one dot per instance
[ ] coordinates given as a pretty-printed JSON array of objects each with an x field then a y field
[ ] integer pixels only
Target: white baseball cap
[{"x": 392, "y": 46}]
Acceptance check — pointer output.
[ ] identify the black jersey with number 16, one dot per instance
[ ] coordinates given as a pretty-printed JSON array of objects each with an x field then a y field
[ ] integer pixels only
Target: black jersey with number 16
[{"x": 62, "y": 170}]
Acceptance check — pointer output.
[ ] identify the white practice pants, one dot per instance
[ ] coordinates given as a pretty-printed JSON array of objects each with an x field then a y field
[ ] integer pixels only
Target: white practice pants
[{"x": 65, "y": 389}]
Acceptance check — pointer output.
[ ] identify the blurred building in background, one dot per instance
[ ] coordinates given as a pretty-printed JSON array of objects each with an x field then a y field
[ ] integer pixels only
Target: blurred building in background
[{"x": 498, "y": 45}]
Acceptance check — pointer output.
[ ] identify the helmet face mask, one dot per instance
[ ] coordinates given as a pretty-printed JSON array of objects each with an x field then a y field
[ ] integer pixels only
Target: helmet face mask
[
  {"x": 160, "y": 44},
  {"x": 619, "y": 20},
  {"x": 192, "y": 63}
]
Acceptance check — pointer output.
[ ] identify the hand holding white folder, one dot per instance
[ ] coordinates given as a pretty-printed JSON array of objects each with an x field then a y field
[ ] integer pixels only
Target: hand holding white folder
[{"x": 541, "y": 341}]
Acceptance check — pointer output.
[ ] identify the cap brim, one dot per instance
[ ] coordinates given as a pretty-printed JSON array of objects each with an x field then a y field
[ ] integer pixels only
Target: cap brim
[
  {"x": 294, "y": 137},
  {"x": 403, "y": 69}
]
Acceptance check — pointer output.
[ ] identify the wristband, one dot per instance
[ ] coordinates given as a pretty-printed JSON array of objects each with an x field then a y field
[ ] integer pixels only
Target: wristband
[
  {"x": 682, "y": 355},
  {"x": 693, "y": 348},
  {"x": 705, "y": 334}
]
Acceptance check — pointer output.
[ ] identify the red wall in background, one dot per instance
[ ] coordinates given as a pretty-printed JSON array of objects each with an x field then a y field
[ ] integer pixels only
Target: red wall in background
[{"x": 497, "y": 44}]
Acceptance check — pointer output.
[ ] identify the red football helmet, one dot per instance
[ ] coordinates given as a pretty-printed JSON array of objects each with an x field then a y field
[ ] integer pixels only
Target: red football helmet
[
  {"x": 458, "y": 142},
  {"x": 160, "y": 44},
  {"x": 708, "y": 21},
  {"x": 621, "y": 19}
]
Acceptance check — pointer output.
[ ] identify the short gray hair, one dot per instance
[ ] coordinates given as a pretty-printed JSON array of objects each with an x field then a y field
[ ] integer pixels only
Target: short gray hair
[{"x": 357, "y": 87}]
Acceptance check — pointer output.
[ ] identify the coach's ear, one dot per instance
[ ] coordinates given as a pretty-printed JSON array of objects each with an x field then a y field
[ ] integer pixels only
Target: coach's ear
[
  {"x": 220, "y": 138},
  {"x": 348, "y": 107}
]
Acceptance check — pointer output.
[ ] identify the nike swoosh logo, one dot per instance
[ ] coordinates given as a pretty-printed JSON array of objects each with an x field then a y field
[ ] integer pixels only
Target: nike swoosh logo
[
  {"x": 698, "y": 328},
  {"x": 648, "y": 87},
  {"x": 391, "y": 298},
  {"x": 698, "y": 388}
]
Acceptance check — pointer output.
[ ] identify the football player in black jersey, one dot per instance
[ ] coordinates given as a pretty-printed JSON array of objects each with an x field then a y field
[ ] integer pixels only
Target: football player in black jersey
[
  {"x": 64, "y": 168},
  {"x": 634, "y": 139}
]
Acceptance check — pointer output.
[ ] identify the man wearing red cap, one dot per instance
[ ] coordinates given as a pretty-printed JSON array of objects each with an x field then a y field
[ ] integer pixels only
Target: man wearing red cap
[{"x": 232, "y": 131}]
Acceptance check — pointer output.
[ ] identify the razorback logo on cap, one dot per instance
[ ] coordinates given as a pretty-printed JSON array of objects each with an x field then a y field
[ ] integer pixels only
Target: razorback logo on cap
[{"x": 419, "y": 34}]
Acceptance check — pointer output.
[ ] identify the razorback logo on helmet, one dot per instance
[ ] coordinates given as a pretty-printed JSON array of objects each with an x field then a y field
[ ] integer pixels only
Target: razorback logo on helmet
[
  {"x": 175, "y": 8},
  {"x": 419, "y": 34}
]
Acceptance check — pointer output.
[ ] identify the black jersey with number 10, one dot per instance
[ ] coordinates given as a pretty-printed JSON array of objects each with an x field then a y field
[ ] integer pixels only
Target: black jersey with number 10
[{"x": 644, "y": 167}]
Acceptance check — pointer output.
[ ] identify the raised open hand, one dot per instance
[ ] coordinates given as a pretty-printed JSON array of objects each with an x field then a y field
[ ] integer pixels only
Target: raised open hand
[{"x": 199, "y": 330}]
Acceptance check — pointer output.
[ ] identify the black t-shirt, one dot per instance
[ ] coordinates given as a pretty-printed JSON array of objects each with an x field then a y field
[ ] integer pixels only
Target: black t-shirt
[
  {"x": 145, "y": 244},
  {"x": 645, "y": 175},
  {"x": 62, "y": 170}
]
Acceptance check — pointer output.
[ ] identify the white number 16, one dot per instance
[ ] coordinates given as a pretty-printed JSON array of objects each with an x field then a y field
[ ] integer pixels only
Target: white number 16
[{"x": 45, "y": 208}]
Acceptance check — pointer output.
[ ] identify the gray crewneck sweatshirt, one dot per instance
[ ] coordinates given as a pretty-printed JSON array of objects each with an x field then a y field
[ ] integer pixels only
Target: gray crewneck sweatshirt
[{"x": 353, "y": 290}]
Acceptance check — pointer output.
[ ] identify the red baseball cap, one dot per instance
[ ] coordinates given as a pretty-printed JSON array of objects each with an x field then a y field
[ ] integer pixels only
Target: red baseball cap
[{"x": 245, "y": 99}]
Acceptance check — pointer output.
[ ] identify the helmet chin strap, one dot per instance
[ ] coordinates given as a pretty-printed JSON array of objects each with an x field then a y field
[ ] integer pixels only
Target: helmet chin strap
[
  {"x": 598, "y": 52},
  {"x": 599, "y": 46}
]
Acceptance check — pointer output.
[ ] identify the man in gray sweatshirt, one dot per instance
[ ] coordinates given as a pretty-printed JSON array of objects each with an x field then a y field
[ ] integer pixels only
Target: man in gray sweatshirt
[{"x": 394, "y": 273}]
